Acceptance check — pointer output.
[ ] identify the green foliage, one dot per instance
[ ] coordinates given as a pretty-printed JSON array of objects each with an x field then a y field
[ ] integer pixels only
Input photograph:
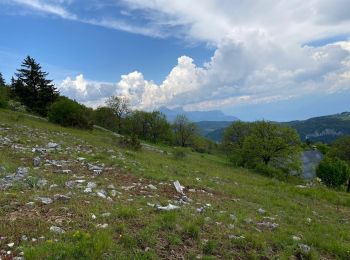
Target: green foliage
[
  {"x": 32, "y": 88},
  {"x": 131, "y": 142},
  {"x": 179, "y": 153},
  {"x": 323, "y": 148},
  {"x": 69, "y": 113},
  {"x": 233, "y": 141},
  {"x": 151, "y": 126},
  {"x": 271, "y": 148},
  {"x": 184, "y": 130},
  {"x": 16, "y": 106},
  {"x": 341, "y": 149},
  {"x": 4, "y": 96},
  {"x": 333, "y": 172},
  {"x": 104, "y": 117},
  {"x": 80, "y": 245},
  {"x": 274, "y": 145},
  {"x": 338, "y": 123},
  {"x": 120, "y": 107}
]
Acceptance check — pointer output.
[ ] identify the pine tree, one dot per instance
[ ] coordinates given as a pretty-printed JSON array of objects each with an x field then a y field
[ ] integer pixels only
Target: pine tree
[
  {"x": 2, "y": 81},
  {"x": 32, "y": 88}
]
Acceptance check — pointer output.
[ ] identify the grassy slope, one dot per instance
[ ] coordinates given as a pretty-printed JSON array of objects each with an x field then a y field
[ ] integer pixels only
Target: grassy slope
[{"x": 137, "y": 230}]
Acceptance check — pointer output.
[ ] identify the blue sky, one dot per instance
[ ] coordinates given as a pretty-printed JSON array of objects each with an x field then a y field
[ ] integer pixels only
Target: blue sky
[{"x": 253, "y": 59}]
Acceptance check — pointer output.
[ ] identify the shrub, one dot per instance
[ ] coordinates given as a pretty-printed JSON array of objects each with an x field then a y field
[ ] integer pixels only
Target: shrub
[
  {"x": 131, "y": 142},
  {"x": 104, "y": 117},
  {"x": 67, "y": 112},
  {"x": 3, "y": 97},
  {"x": 16, "y": 106},
  {"x": 333, "y": 172},
  {"x": 179, "y": 153}
]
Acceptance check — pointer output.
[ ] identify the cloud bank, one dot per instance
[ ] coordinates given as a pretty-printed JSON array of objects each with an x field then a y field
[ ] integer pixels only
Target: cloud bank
[{"x": 265, "y": 51}]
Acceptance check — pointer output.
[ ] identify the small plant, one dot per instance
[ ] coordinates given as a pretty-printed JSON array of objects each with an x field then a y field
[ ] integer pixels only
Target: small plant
[
  {"x": 131, "y": 142},
  {"x": 16, "y": 106},
  {"x": 179, "y": 153}
]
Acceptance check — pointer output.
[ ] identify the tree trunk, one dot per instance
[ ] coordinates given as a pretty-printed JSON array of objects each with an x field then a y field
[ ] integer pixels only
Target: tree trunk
[{"x": 348, "y": 190}]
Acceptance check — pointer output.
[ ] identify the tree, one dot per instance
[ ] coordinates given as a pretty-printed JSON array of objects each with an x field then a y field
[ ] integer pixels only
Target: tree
[
  {"x": 150, "y": 126},
  {"x": 67, "y": 112},
  {"x": 273, "y": 145},
  {"x": 104, "y": 116},
  {"x": 341, "y": 149},
  {"x": 159, "y": 127},
  {"x": 333, "y": 172},
  {"x": 2, "y": 81},
  {"x": 233, "y": 141},
  {"x": 184, "y": 130},
  {"x": 32, "y": 88},
  {"x": 120, "y": 107}
]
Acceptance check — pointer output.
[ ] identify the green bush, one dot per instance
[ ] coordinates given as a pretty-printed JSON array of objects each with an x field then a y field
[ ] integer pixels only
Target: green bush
[
  {"x": 131, "y": 142},
  {"x": 3, "y": 97},
  {"x": 16, "y": 106},
  {"x": 179, "y": 153},
  {"x": 333, "y": 172},
  {"x": 67, "y": 112},
  {"x": 104, "y": 117}
]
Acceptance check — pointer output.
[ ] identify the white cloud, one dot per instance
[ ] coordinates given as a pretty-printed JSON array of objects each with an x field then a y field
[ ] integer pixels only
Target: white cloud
[
  {"x": 233, "y": 76},
  {"x": 260, "y": 51}
]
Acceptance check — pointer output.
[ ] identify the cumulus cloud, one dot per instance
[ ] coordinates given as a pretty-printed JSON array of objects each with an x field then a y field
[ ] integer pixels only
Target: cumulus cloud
[
  {"x": 237, "y": 73},
  {"x": 263, "y": 50}
]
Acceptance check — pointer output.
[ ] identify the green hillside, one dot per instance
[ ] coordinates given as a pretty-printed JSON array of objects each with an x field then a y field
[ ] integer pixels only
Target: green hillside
[
  {"x": 88, "y": 198},
  {"x": 324, "y": 129}
]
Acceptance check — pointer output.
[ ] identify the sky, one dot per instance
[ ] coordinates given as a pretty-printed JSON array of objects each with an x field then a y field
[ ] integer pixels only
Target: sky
[{"x": 255, "y": 59}]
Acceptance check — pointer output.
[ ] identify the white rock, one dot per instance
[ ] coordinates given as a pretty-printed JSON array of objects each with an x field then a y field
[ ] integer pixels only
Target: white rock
[
  {"x": 261, "y": 211},
  {"x": 10, "y": 244},
  {"x": 168, "y": 208},
  {"x": 57, "y": 230}
]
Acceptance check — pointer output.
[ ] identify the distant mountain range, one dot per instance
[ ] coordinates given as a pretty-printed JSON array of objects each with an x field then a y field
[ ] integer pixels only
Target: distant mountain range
[
  {"x": 324, "y": 129},
  {"x": 197, "y": 116}
]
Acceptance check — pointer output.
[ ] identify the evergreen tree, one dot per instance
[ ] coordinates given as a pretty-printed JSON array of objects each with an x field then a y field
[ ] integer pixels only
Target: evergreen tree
[
  {"x": 32, "y": 88},
  {"x": 2, "y": 81}
]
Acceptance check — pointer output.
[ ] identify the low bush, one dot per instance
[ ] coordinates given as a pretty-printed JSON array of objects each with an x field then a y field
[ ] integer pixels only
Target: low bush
[
  {"x": 333, "y": 172},
  {"x": 16, "y": 106},
  {"x": 131, "y": 142},
  {"x": 3, "y": 97},
  {"x": 179, "y": 153},
  {"x": 67, "y": 112}
]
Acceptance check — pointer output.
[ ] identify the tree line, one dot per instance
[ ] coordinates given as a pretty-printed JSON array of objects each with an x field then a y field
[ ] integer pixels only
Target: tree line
[{"x": 31, "y": 91}]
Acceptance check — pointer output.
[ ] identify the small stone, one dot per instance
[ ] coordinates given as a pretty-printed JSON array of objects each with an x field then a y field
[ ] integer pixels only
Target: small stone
[
  {"x": 88, "y": 190},
  {"x": 231, "y": 226},
  {"x": 106, "y": 215},
  {"x": 93, "y": 216},
  {"x": 42, "y": 183},
  {"x": 102, "y": 225},
  {"x": 53, "y": 145},
  {"x": 305, "y": 248},
  {"x": 152, "y": 187},
  {"x": 57, "y": 230},
  {"x": 24, "y": 238},
  {"x": 261, "y": 211},
  {"x": 36, "y": 161},
  {"x": 101, "y": 194},
  {"x": 45, "y": 200},
  {"x": 60, "y": 197},
  {"x": 10, "y": 244},
  {"x": 91, "y": 185}
]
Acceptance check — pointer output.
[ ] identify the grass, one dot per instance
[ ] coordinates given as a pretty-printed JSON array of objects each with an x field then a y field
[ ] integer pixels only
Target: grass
[{"x": 317, "y": 215}]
